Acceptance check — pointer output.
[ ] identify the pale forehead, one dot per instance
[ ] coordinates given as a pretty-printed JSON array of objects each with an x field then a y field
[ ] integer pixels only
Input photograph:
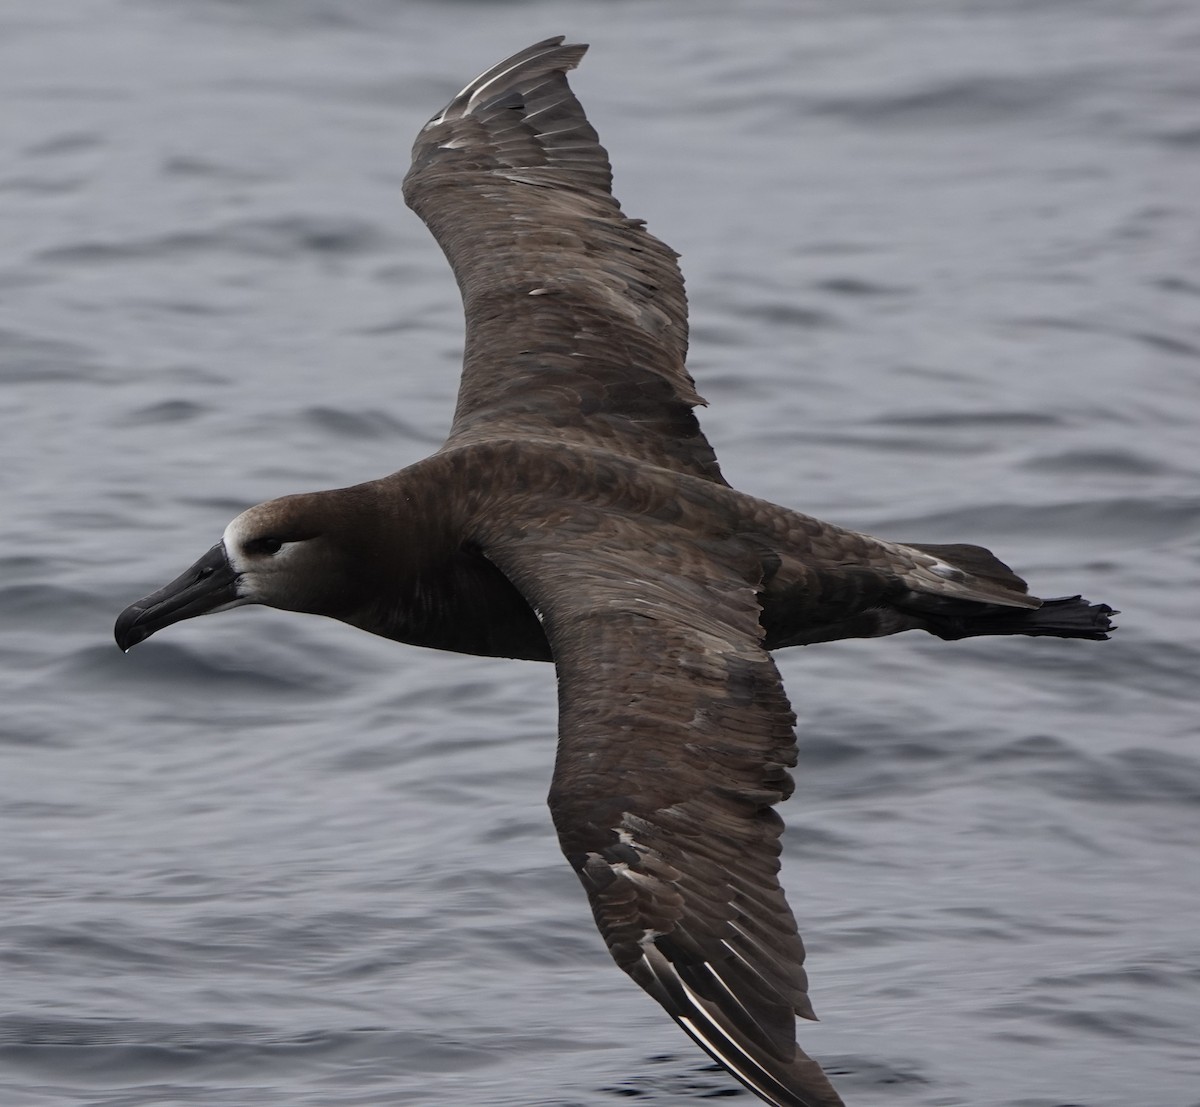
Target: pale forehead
[
  {"x": 254, "y": 522},
  {"x": 237, "y": 531}
]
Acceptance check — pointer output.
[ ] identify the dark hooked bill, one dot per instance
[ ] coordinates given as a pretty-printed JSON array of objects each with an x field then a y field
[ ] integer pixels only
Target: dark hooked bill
[{"x": 209, "y": 585}]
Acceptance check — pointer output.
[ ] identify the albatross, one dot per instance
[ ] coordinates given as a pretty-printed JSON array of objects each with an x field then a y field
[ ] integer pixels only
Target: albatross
[{"x": 577, "y": 514}]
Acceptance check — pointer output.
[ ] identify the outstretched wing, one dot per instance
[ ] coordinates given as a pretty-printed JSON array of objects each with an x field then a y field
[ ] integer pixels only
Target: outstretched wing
[
  {"x": 675, "y": 739},
  {"x": 576, "y": 317}
]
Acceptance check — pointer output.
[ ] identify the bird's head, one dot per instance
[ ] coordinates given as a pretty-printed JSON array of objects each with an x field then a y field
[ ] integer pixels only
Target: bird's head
[{"x": 288, "y": 553}]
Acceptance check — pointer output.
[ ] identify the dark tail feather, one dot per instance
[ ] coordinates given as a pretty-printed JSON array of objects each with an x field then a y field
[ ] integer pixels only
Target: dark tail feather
[{"x": 1065, "y": 617}]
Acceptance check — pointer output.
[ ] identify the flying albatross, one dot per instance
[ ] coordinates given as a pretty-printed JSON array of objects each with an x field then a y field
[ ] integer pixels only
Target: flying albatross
[{"x": 577, "y": 514}]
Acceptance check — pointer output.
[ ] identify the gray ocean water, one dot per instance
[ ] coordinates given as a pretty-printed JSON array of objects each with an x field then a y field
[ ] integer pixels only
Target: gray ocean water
[{"x": 944, "y": 262}]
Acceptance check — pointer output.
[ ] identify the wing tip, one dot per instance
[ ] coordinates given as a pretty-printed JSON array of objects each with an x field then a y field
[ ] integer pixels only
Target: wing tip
[
  {"x": 551, "y": 55},
  {"x": 786, "y": 1078},
  {"x": 801, "y": 1082}
]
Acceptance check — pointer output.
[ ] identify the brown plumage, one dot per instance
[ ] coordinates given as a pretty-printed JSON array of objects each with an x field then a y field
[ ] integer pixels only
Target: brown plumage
[
  {"x": 581, "y": 307},
  {"x": 577, "y": 514}
]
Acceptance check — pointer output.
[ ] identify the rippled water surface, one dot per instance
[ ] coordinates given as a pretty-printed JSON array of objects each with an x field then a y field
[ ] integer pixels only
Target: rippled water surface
[{"x": 945, "y": 273}]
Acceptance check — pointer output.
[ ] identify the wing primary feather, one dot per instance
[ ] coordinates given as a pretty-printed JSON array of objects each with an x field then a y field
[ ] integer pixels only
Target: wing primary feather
[
  {"x": 468, "y": 98},
  {"x": 692, "y": 1012}
]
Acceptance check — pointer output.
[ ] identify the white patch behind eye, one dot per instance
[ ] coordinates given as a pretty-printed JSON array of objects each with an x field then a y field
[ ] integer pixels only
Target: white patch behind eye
[{"x": 254, "y": 573}]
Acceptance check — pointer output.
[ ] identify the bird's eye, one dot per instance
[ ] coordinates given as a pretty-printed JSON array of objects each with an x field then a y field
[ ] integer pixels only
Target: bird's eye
[{"x": 264, "y": 545}]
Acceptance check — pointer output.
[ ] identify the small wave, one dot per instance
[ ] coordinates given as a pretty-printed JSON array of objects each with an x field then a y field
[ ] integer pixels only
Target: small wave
[
  {"x": 71, "y": 142},
  {"x": 872, "y": 440},
  {"x": 1168, "y": 344},
  {"x": 1110, "y": 462},
  {"x": 953, "y": 419},
  {"x": 857, "y": 286},
  {"x": 43, "y": 186},
  {"x": 184, "y": 166},
  {"x": 127, "y": 1049},
  {"x": 166, "y": 412},
  {"x": 1165, "y": 343},
  {"x": 1130, "y": 776},
  {"x": 181, "y": 670},
  {"x": 785, "y": 313},
  {"x": 340, "y": 423},
  {"x": 1138, "y": 520},
  {"x": 1185, "y": 137},
  {"x": 1133, "y": 776},
  {"x": 1170, "y": 977},
  {"x": 26, "y": 358},
  {"x": 288, "y": 236},
  {"x": 1101, "y": 1018},
  {"x": 1177, "y": 284},
  {"x": 52, "y": 604},
  {"x": 959, "y": 102}
]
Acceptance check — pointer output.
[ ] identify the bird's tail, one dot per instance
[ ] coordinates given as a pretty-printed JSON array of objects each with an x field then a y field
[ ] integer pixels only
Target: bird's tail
[
  {"x": 989, "y": 598},
  {"x": 1064, "y": 617}
]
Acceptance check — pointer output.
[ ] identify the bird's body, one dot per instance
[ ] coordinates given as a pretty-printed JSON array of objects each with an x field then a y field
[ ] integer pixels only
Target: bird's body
[{"x": 577, "y": 514}]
